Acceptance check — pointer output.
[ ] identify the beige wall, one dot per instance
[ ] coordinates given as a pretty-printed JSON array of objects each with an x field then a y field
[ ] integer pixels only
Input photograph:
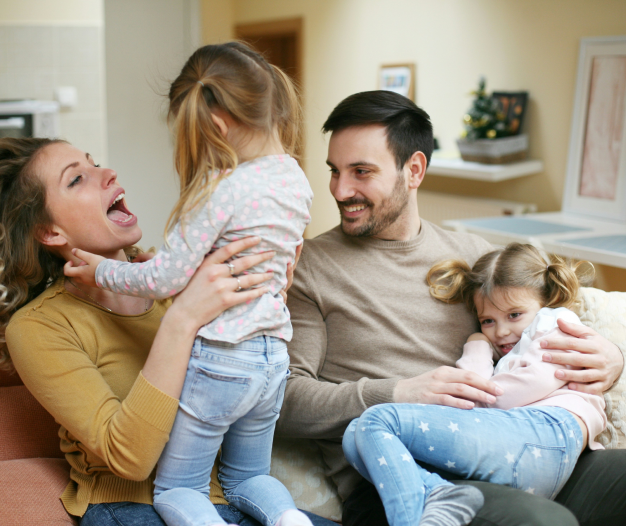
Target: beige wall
[
  {"x": 530, "y": 45},
  {"x": 51, "y": 12}
]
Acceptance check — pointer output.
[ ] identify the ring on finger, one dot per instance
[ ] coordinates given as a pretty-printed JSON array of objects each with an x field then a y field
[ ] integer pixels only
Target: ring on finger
[
  {"x": 231, "y": 268},
  {"x": 239, "y": 288}
]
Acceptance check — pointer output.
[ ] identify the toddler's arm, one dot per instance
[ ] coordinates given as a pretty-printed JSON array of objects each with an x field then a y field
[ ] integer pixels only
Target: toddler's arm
[
  {"x": 477, "y": 356},
  {"x": 169, "y": 271}
]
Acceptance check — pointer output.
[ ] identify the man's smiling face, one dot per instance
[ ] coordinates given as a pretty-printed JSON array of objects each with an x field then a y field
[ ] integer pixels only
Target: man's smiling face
[{"x": 370, "y": 191}]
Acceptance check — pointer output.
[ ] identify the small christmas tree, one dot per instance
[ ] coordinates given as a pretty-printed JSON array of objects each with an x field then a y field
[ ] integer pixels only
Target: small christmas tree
[{"x": 484, "y": 120}]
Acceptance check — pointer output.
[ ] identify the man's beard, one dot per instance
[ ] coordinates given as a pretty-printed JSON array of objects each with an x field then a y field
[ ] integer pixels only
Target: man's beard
[{"x": 390, "y": 209}]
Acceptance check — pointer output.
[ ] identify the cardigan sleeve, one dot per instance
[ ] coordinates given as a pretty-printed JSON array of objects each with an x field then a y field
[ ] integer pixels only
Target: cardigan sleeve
[{"x": 127, "y": 435}]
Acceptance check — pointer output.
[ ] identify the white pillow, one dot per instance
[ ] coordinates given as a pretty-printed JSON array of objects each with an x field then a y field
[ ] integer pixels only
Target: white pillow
[{"x": 605, "y": 312}]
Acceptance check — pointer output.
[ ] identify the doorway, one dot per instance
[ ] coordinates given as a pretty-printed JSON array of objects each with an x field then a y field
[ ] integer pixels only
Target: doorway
[{"x": 280, "y": 42}]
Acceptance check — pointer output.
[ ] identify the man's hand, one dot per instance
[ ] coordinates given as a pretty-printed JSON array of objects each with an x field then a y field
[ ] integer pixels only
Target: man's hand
[
  {"x": 83, "y": 271},
  {"x": 446, "y": 386},
  {"x": 601, "y": 360}
]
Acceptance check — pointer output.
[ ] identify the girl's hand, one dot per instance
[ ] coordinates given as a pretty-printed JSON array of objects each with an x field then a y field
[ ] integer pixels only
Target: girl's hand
[
  {"x": 601, "y": 360},
  {"x": 213, "y": 289},
  {"x": 85, "y": 270}
]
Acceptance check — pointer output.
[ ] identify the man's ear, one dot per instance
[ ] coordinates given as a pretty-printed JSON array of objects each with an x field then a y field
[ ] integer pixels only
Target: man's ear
[
  {"x": 417, "y": 165},
  {"x": 220, "y": 123}
]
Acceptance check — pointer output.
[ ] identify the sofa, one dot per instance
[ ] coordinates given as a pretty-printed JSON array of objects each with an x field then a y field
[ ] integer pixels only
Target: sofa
[{"x": 33, "y": 472}]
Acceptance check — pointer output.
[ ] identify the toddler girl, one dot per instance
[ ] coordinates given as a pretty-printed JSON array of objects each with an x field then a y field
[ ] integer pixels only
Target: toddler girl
[
  {"x": 235, "y": 118},
  {"x": 530, "y": 438}
]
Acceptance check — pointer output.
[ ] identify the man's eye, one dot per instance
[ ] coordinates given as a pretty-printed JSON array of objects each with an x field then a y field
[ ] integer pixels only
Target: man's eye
[
  {"x": 361, "y": 171},
  {"x": 75, "y": 181}
]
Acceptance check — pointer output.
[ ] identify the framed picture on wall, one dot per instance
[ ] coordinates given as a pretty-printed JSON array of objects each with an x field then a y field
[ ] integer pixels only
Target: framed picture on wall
[
  {"x": 399, "y": 78},
  {"x": 596, "y": 168}
]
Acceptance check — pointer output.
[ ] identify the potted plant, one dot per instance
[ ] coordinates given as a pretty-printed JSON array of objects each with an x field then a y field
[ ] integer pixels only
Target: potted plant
[{"x": 492, "y": 126}]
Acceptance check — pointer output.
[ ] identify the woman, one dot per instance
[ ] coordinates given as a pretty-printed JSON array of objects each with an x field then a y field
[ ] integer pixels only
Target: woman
[{"x": 108, "y": 367}]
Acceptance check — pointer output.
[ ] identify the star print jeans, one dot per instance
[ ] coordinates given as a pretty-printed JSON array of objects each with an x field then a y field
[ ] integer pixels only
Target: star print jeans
[
  {"x": 531, "y": 448},
  {"x": 231, "y": 397}
]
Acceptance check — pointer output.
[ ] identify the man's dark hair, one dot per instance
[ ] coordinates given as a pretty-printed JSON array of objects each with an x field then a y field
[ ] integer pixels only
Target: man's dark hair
[{"x": 408, "y": 127}]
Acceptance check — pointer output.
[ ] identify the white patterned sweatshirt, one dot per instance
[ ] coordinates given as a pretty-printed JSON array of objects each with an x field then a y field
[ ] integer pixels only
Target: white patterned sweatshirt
[
  {"x": 529, "y": 381},
  {"x": 269, "y": 197}
]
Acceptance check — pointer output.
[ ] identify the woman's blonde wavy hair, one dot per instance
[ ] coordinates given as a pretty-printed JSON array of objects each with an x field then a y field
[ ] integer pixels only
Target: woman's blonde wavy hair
[
  {"x": 27, "y": 267},
  {"x": 555, "y": 282},
  {"x": 238, "y": 81}
]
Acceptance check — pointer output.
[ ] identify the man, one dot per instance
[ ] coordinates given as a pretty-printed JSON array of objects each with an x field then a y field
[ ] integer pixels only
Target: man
[{"x": 366, "y": 330}]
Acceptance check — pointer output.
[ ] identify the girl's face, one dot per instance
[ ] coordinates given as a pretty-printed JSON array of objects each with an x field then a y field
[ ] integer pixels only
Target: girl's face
[
  {"x": 86, "y": 204},
  {"x": 504, "y": 317}
]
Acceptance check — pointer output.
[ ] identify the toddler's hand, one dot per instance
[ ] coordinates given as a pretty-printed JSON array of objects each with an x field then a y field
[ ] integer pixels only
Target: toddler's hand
[{"x": 85, "y": 271}]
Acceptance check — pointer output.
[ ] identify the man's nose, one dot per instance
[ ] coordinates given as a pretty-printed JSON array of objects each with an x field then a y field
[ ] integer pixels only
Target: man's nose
[{"x": 342, "y": 188}]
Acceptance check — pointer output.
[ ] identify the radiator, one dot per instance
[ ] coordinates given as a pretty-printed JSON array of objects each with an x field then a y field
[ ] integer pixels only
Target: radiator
[{"x": 436, "y": 207}]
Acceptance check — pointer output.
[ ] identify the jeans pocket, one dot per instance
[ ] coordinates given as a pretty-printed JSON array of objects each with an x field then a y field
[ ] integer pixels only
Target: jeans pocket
[
  {"x": 216, "y": 395},
  {"x": 280, "y": 397},
  {"x": 539, "y": 469}
]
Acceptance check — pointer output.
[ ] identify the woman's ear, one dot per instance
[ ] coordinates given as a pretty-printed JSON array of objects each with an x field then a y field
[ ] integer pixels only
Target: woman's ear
[
  {"x": 51, "y": 238},
  {"x": 221, "y": 124}
]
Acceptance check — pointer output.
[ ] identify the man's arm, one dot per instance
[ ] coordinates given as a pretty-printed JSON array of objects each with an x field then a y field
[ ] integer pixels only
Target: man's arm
[
  {"x": 314, "y": 408},
  {"x": 601, "y": 360}
]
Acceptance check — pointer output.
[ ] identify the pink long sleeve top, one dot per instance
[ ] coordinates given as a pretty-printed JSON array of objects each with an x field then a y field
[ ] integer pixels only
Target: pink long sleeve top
[{"x": 529, "y": 381}]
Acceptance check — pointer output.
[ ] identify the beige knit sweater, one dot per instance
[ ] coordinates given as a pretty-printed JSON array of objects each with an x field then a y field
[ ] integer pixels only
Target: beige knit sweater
[
  {"x": 83, "y": 365},
  {"x": 363, "y": 318}
]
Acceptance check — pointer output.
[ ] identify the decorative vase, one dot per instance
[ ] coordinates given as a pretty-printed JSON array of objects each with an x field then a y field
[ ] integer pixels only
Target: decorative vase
[{"x": 494, "y": 151}]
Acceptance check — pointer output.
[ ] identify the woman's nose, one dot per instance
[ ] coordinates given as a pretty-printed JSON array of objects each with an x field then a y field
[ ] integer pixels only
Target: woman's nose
[{"x": 109, "y": 176}]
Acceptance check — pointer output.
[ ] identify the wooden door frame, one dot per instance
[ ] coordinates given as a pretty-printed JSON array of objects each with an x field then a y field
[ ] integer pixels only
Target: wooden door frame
[{"x": 287, "y": 26}]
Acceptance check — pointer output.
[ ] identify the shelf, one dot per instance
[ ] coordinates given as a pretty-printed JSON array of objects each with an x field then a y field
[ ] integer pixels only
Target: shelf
[{"x": 457, "y": 167}]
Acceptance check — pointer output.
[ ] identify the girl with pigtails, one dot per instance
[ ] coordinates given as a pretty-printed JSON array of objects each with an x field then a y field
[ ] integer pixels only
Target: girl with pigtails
[
  {"x": 529, "y": 439},
  {"x": 237, "y": 124}
]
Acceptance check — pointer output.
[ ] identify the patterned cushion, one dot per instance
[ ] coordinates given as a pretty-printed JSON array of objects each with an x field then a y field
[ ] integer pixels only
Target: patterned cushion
[
  {"x": 299, "y": 466},
  {"x": 605, "y": 312}
]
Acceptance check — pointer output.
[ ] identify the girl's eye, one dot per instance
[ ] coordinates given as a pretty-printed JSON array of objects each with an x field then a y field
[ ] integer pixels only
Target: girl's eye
[
  {"x": 514, "y": 315},
  {"x": 96, "y": 165},
  {"x": 487, "y": 321},
  {"x": 75, "y": 181}
]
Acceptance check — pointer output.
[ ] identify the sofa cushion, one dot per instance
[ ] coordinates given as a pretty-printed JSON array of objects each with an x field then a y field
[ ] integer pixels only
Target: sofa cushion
[
  {"x": 605, "y": 312},
  {"x": 26, "y": 429},
  {"x": 298, "y": 464},
  {"x": 32, "y": 495}
]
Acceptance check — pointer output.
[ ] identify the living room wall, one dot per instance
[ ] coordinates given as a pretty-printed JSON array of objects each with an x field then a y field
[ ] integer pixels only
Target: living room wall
[{"x": 530, "y": 45}]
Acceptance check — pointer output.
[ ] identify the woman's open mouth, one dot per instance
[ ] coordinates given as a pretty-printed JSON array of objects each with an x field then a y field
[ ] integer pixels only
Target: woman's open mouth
[{"x": 118, "y": 213}]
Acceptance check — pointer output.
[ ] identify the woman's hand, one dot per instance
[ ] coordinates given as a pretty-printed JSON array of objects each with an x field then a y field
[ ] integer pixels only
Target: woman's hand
[
  {"x": 601, "y": 360},
  {"x": 213, "y": 288},
  {"x": 211, "y": 291}
]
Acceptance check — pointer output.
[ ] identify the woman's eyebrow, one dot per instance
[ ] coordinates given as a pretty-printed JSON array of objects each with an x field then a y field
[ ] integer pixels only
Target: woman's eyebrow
[{"x": 74, "y": 165}]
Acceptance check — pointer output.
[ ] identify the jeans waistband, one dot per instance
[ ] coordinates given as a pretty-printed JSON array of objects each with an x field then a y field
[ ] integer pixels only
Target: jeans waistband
[{"x": 261, "y": 343}]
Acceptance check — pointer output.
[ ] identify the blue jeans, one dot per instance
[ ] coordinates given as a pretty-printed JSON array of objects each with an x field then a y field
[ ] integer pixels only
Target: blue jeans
[
  {"x": 533, "y": 449},
  {"x": 134, "y": 514},
  {"x": 231, "y": 398}
]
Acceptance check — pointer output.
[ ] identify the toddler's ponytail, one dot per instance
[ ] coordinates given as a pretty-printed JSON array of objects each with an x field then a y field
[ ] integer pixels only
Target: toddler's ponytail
[
  {"x": 563, "y": 280},
  {"x": 449, "y": 280}
]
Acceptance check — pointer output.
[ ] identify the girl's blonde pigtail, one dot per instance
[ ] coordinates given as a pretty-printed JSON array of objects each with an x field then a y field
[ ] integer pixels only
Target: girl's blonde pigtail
[{"x": 448, "y": 281}]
